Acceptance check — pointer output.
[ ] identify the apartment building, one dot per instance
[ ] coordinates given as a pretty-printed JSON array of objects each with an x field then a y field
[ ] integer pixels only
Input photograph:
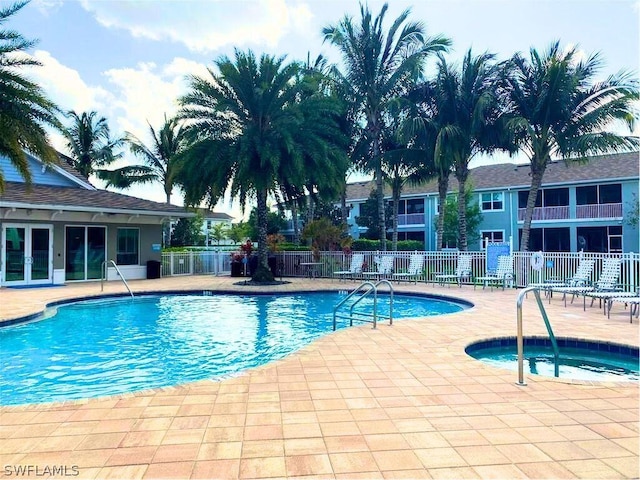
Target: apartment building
[{"x": 579, "y": 207}]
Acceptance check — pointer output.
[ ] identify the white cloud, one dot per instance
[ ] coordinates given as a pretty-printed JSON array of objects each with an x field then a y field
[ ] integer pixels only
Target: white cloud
[
  {"x": 206, "y": 25},
  {"x": 46, "y": 7},
  {"x": 65, "y": 86}
]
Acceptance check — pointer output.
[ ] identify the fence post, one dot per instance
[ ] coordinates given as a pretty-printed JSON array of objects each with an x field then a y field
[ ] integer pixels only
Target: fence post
[
  {"x": 191, "y": 255},
  {"x": 171, "y": 263}
]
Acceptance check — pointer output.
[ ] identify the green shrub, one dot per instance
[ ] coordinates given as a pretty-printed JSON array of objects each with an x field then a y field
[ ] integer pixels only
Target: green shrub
[{"x": 363, "y": 244}]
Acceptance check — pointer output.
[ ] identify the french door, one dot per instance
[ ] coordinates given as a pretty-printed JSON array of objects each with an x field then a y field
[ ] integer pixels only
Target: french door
[{"x": 27, "y": 254}]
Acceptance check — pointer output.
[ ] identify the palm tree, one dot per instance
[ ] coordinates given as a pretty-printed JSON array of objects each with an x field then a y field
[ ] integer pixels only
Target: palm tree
[
  {"x": 24, "y": 108},
  {"x": 255, "y": 131},
  {"x": 162, "y": 158},
  {"x": 470, "y": 122},
  {"x": 559, "y": 110},
  {"x": 379, "y": 67}
]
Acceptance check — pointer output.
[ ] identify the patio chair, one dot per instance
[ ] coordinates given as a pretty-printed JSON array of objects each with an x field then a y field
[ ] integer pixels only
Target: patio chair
[
  {"x": 633, "y": 302},
  {"x": 503, "y": 273},
  {"x": 463, "y": 270},
  {"x": 581, "y": 277},
  {"x": 384, "y": 267},
  {"x": 354, "y": 269},
  {"x": 416, "y": 265},
  {"x": 606, "y": 284}
]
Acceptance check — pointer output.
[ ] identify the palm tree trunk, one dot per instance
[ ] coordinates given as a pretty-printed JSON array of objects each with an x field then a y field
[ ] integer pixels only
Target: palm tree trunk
[
  {"x": 343, "y": 205},
  {"x": 396, "y": 205},
  {"x": 382, "y": 224},
  {"x": 296, "y": 222},
  {"x": 536, "y": 182},
  {"x": 262, "y": 211},
  {"x": 462, "y": 210},
  {"x": 443, "y": 187}
]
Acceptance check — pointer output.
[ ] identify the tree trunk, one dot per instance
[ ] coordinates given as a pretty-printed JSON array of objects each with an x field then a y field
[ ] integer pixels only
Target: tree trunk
[
  {"x": 396, "y": 205},
  {"x": 462, "y": 210},
  {"x": 443, "y": 186},
  {"x": 536, "y": 182},
  {"x": 382, "y": 224},
  {"x": 296, "y": 222},
  {"x": 262, "y": 211},
  {"x": 343, "y": 205}
]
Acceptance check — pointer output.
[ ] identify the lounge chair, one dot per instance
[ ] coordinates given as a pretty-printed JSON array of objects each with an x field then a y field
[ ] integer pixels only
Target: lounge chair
[
  {"x": 463, "y": 270},
  {"x": 632, "y": 302},
  {"x": 354, "y": 269},
  {"x": 606, "y": 285},
  {"x": 502, "y": 274},
  {"x": 385, "y": 268},
  {"x": 580, "y": 278},
  {"x": 416, "y": 265}
]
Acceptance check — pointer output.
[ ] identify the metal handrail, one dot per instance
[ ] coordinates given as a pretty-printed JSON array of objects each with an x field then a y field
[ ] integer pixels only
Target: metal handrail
[
  {"x": 372, "y": 288},
  {"x": 103, "y": 275},
  {"x": 520, "y": 337}
]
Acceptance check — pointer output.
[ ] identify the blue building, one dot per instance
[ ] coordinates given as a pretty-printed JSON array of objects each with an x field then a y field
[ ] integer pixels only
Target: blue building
[{"x": 579, "y": 207}]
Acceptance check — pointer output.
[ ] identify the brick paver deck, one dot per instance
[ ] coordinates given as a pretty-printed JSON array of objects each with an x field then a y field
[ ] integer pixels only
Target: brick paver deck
[{"x": 401, "y": 401}]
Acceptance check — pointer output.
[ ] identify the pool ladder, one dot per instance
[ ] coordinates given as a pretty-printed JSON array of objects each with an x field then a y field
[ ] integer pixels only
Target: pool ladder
[
  {"x": 520, "y": 337},
  {"x": 103, "y": 275},
  {"x": 364, "y": 289}
]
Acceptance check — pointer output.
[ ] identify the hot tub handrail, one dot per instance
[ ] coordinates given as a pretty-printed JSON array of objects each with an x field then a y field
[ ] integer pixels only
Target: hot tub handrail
[
  {"x": 103, "y": 275},
  {"x": 520, "y": 337}
]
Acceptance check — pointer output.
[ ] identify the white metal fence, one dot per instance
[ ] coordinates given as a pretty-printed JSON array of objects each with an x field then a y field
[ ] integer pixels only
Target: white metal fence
[{"x": 557, "y": 266}]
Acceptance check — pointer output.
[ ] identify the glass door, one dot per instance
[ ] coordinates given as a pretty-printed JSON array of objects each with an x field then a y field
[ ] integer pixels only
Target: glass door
[
  {"x": 85, "y": 250},
  {"x": 27, "y": 254}
]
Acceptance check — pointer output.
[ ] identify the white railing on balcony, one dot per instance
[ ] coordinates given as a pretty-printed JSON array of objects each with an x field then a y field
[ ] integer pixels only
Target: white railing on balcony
[
  {"x": 546, "y": 213},
  {"x": 604, "y": 210},
  {"x": 411, "y": 219},
  {"x": 557, "y": 265}
]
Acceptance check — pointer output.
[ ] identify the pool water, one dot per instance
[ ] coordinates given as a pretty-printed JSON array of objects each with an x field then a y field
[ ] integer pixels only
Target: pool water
[
  {"x": 590, "y": 361},
  {"x": 110, "y": 346}
]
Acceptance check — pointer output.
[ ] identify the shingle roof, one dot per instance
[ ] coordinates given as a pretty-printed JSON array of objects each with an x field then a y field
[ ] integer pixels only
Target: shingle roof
[
  {"x": 499, "y": 176},
  {"x": 210, "y": 214},
  {"x": 54, "y": 198}
]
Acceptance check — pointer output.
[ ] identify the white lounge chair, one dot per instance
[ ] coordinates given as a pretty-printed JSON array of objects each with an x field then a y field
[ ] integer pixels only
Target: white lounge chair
[
  {"x": 463, "y": 270},
  {"x": 416, "y": 264},
  {"x": 581, "y": 277},
  {"x": 354, "y": 269},
  {"x": 384, "y": 268},
  {"x": 503, "y": 273},
  {"x": 632, "y": 302},
  {"x": 606, "y": 285}
]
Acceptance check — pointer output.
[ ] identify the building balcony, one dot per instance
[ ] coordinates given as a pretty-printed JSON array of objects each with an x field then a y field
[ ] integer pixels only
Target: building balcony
[
  {"x": 546, "y": 213},
  {"x": 410, "y": 219},
  {"x": 603, "y": 210}
]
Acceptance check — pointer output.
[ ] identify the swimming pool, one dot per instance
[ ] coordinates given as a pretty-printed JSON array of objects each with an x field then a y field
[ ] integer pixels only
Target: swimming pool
[
  {"x": 116, "y": 345},
  {"x": 578, "y": 360}
]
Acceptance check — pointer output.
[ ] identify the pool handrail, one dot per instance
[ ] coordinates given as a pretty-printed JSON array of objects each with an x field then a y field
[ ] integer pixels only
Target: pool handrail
[
  {"x": 520, "y": 337},
  {"x": 372, "y": 288},
  {"x": 103, "y": 275}
]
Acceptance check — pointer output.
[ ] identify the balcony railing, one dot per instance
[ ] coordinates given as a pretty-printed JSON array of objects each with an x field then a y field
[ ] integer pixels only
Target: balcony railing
[
  {"x": 546, "y": 213},
  {"x": 604, "y": 210},
  {"x": 411, "y": 219}
]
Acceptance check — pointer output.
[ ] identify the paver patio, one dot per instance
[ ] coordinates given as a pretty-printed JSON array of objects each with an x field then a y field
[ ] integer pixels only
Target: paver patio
[{"x": 401, "y": 401}]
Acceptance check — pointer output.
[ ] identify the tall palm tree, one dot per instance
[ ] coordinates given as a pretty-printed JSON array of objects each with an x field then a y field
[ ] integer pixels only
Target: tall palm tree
[
  {"x": 25, "y": 110},
  {"x": 470, "y": 120},
  {"x": 255, "y": 131},
  {"x": 161, "y": 159},
  {"x": 560, "y": 110},
  {"x": 378, "y": 67}
]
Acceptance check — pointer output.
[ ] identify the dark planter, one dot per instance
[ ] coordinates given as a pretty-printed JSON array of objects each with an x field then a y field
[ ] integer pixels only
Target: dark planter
[
  {"x": 273, "y": 265},
  {"x": 236, "y": 269},
  {"x": 253, "y": 264}
]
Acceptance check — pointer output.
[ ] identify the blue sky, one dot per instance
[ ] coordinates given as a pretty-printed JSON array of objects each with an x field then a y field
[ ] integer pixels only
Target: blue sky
[{"x": 128, "y": 59}]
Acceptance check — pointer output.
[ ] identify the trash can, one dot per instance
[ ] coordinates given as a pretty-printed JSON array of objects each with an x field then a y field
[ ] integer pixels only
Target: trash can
[{"x": 153, "y": 269}]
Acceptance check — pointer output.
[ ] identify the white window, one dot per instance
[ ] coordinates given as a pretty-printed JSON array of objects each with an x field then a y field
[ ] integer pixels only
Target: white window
[
  {"x": 491, "y": 236},
  {"x": 492, "y": 201}
]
